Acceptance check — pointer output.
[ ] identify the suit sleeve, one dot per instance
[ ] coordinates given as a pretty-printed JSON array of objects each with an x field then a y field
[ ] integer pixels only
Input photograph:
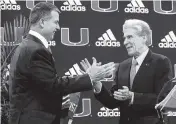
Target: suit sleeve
[
  {"x": 163, "y": 74},
  {"x": 106, "y": 97},
  {"x": 43, "y": 73}
]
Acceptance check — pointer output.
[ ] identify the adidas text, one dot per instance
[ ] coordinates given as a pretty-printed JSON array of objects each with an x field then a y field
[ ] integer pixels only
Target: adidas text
[
  {"x": 167, "y": 45},
  {"x": 73, "y": 8},
  {"x": 107, "y": 44},
  {"x": 136, "y": 10},
  {"x": 10, "y": 7},
  {"x": 108, "y": 114},
  {"x": 52, "y": 43},
  {"x": 171, "y": 113}
]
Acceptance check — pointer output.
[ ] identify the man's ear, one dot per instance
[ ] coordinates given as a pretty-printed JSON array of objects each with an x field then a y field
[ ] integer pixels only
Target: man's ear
[
  {"x": 41, "y": 22},
  {"x": 144, "y": 39}
]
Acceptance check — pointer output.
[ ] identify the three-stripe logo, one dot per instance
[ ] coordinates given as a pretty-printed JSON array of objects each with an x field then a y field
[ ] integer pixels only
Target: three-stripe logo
[
  {"x": 136, "y": 6},
  {"x": 9, "y": 5},
  {"x": 136, "y": 3},
  {"x": 73, "y": 5},
  {"x": 72, "y": 2},
  {"x": 66, "y": 101},
  {"x": 169, "y": 41},
  {"x": 74, "y": 71},
  {"x": 107, "y": 40},
  {"x": 8, "y": 2}
]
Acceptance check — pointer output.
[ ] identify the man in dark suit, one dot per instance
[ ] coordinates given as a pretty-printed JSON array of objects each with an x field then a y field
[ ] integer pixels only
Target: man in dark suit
[
  {"x": 139, "y": 79},
  {"x": 35, "y": 88}
]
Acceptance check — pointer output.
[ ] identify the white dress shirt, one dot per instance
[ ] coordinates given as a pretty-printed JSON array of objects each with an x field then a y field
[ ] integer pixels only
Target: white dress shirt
[
  {"x": 39, "y": 36},
  {"x": 140, "y": 59}
]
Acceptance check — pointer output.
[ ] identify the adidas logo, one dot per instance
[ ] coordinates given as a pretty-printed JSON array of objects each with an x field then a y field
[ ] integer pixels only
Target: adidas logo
[
  {"x": 74, "y": 71},
  {"x": 73, "y": 5},
  {"x": 107, "y": 40},
  {"x": 136, "y": 6},
  {"x": 105, "y": 112},
  {"x": 169, "y": 41},
  {"x": 9, "y": 5}
]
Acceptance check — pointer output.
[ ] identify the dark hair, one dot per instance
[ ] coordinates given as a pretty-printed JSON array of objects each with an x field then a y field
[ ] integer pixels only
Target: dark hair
[{"x": 41, "y": 10}]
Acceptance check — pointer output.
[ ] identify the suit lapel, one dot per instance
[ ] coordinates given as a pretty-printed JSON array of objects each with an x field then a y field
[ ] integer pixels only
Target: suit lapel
[
  {"x": 144, "y": 68},
  {"x": 35, "y": 39},
  {"x": 125, "y": 73}
]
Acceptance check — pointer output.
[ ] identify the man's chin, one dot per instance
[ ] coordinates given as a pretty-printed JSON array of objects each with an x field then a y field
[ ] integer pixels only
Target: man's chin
[
  {"x": 130, "y": 54},
  {"x": 52, "y": 38}
]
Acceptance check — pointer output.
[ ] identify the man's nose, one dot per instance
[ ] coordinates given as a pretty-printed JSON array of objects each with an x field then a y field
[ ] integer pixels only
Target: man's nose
[
  {"x": 125, "y": 41},
  {"x": 58, "y": 27}
]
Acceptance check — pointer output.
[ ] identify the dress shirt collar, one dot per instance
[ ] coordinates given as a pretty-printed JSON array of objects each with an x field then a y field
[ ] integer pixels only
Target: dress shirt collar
[
  {"x": 40, "y": 37},
  {"x": 141, "y": 58}
]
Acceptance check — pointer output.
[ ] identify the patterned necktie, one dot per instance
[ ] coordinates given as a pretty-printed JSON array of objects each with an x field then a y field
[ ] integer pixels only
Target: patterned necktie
[{"x": 133, "y": 72}]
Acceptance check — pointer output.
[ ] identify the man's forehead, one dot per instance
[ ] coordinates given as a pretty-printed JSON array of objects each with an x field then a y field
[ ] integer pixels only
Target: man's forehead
[
  {"x": 129, "y": 31},
  {"x": 55, "y": 15}
]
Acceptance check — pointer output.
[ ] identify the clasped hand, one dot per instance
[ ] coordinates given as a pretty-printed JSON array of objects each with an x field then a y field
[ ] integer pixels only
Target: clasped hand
[
  {"x": 97, "y": 71},
  {"x": 123, "y": 94}
]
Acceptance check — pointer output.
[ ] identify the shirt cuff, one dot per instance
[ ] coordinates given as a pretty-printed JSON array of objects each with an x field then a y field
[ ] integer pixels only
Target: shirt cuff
[
  {"x": 90, "y": 79},
  {"x": 97, "y": 87},
  {"x": 132, "y": 98}
]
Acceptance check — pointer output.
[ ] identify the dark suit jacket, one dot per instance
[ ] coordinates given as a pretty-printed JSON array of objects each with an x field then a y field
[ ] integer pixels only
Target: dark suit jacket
[
  {"x": 35, "y": 88},
  {"x": 154, "y": 72}
]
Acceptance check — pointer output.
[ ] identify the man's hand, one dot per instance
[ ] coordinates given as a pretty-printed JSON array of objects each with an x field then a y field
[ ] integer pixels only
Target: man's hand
[
  {"x": 97, "y": 72},
  {"x": 123, "y": 94},
  {"x": 158, "y": 106},
  {"x": 85, "y": 64}
]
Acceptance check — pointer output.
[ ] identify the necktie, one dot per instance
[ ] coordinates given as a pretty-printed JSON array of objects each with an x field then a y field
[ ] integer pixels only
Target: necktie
[
  {"x": 133, "y": 72},
  {"x": 49, "y": 48}
]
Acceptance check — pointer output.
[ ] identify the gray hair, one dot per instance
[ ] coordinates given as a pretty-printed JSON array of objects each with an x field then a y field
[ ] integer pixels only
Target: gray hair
[{"x": 142, "y": 28}]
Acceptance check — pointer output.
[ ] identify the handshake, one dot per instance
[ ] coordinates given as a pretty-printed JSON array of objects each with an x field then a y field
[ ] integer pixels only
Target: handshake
[{"x": 96, "y": 71}]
